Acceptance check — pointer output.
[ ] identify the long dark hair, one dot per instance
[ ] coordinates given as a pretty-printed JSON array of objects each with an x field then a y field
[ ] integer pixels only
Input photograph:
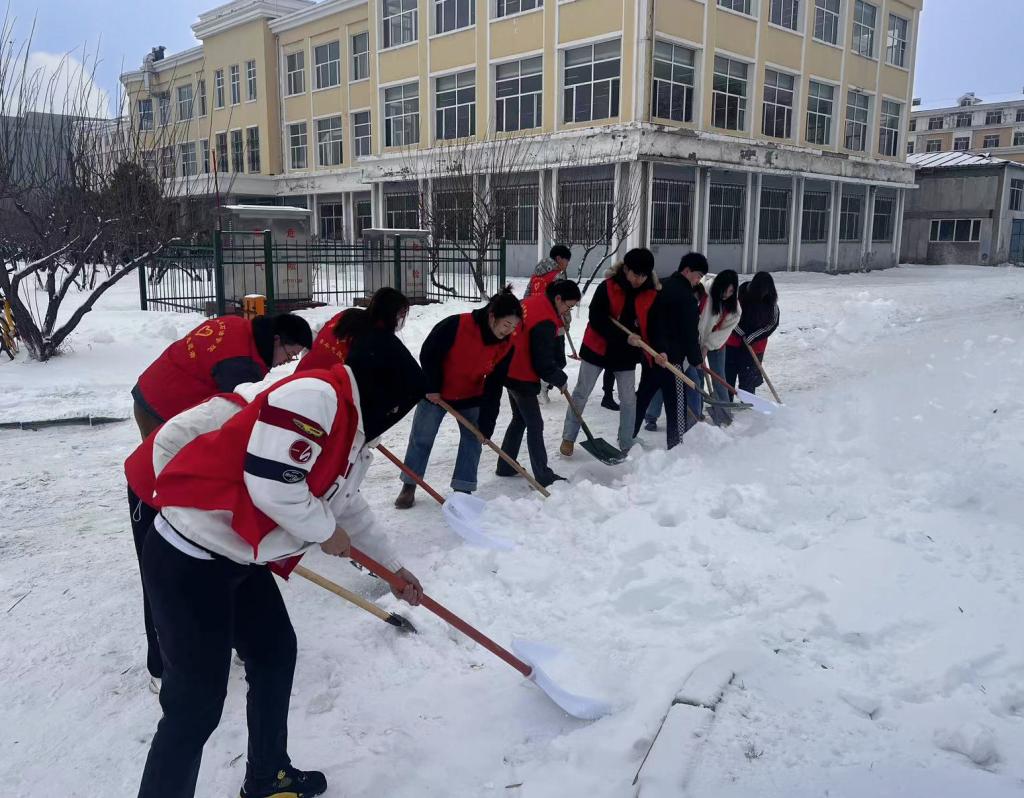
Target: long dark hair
[
  {"x": 723, "y": 280},
  {"x": 385, "y": 311},
  {"x": 505, "y": 303},
  {"x": 762, "y": 290}
]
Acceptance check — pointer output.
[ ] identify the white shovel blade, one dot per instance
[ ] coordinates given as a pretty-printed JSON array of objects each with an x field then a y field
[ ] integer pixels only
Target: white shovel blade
[
  {"x": 536, "y": 655},
  {"x": 462, "y": 513},
  {"x": 760, "y": 405}
]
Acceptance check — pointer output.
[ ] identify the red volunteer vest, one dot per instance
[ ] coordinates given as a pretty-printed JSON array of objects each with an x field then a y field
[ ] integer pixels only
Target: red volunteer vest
[
  {"x": 470, "y": 361},
  {"x": 327, "y": 350},
  {"x": 593, "y": 340},
  {"x": 539, "y": 282},
  {"x": 537, "y": 308},
  {"x": 207, "y": 474},
  {"x": 182, "y": 376}
]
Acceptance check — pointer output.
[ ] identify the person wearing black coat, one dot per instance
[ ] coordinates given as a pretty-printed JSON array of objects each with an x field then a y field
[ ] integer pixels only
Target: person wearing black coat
[{"x": 759, "y": 318}]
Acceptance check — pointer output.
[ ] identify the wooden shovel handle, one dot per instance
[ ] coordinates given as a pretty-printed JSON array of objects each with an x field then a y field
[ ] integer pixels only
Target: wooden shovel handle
[
  {"x": 650, "y": 350},
  {"x": 442, "y": 612},
  {"x": 411, "y": 474},
  {"x": 760, "y": 367},
  {"x": 707, "y": 370},
  {"x": 572, "y": 346},
  {"x": 576, "y": 412},
  {"x": 497, "y": 449},
  {"x": 344, "y": 593}
]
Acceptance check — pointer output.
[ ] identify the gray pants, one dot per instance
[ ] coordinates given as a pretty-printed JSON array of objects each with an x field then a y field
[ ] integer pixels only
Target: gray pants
[{"x": 626, "y": 381}]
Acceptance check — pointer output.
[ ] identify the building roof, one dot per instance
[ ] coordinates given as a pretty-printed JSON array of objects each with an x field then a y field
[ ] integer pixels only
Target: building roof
[
  {"x": 932, "y": 108},
  {"x": 946, "y": 160}
]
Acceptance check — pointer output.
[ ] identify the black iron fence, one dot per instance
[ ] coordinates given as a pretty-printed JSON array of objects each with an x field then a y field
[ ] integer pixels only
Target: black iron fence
[{"x": 292, "y": 274}]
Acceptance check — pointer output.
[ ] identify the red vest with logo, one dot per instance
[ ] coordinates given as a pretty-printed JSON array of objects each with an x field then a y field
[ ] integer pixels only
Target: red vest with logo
[
  {"x": 470, "y": 361},
  {"x": 183, "y": 375},
  {"x": 617, "y": 302},
  {"x": 537, "y": 308},
  {"x": 208, "y": 473},
  {"x": 327, "y": 350},
  {"x": 539, "y": 282}
]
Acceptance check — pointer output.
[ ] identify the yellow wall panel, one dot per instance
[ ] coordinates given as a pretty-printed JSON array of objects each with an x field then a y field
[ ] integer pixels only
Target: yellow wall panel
[
  {"x": 861, "y": 73},
  {"x": 452, "y": 51},
  {"x": 586, "y": 18},
  {"x": 894, "y": 82},
  {"x": 517, "y": 35},
  {"x": 779, "y": 47},
  {"x": 733, "y": 33},
  {"x": 823, "y": 61},
  {"x": 400, "y": 64},
  {"x": 682, "y": 18}
]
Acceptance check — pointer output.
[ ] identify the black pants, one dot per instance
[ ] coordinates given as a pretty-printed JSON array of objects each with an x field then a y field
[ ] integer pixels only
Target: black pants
[
  {"x": 739, "y": 365},
  {"x": 142, "y": 519},
  {"x": 673, "y": 391},
  {"x": 201, "y": 609},
  {"x": 608, "y": 382},
  {"x": 526, "y": 417}
]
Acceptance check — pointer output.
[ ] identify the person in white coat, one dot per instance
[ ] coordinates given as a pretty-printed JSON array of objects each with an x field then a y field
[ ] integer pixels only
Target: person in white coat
[{"x": 719, "y": 315}]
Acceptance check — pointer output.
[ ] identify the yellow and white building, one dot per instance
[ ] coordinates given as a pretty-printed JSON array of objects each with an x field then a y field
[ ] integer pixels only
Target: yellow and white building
[
  {"x": 972, "y": 125},
  {"x": 770, "y": 134}
]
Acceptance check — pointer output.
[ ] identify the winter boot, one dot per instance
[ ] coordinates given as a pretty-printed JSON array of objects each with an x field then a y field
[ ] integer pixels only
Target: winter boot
[
  {"x": 566, "y": 448},
  {"x": 289, "y": 783},
  {"x": 651, "y": 426},
  {"x": 609, "y": 403},
  {"x": 406, "y": 497}
]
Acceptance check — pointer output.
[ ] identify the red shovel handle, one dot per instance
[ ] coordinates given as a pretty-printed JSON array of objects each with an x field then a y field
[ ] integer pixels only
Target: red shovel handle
[
  {"x": 411, "y": 474},
  {"x": 718, "y": 379},
  {"x": 441, "y": 612}
]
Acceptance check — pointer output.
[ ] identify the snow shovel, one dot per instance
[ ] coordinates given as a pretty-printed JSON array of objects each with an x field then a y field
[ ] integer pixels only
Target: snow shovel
[
  {"x": 572, "y": 347},
  {"x": 393, "y": 618},
  {"x": 756, "y": 402},
  {"x": 531, "y": 659},
  {"x": 598, "y": 447},
  {"x": 760, "y": 367},
  {"x": 460, "y": 510},
  {"x": 497, "y": 449}
]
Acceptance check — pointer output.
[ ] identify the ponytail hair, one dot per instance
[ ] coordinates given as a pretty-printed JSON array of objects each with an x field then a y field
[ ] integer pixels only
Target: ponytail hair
[
  {"x": 385, "y": 311},
  {"x": 723, "y": 280},
  {"x": 504, "y": 304}
]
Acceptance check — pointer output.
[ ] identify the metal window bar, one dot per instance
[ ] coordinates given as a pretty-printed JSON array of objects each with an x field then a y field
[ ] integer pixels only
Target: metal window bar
[
  {"x": 774, "y": 226},
  {"x": 726, "y": 214},
  {"x": 671, "y": 212}
]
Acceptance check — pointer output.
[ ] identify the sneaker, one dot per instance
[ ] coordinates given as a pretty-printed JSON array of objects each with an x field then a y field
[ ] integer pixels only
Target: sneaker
[
  {"x": 609, "y": 403},
  {"x": 406, "y": 497},
  {"x": 289, "y": 783},
  {"x": 154, "y": 685},
  {"x": 566, "y": 448},
  {"x": 651, "y": 426}
]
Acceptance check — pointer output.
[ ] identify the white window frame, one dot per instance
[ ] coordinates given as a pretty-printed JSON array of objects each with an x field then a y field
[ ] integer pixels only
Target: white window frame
[
  {"x": 235, "y": 82},
  {"x": 742, "y": 7},
  {"x": 817, "y": 114},
  {"x": 986, "y": 142},
  {"x": 511, "y": 8},
  {"x": 447, "y": 117},
  {"x": 958, "y": 140},
  {"x": 408, "y": 120},
  {"x": 1017, "y": 195},
  {"x": 892, "y": 134},
  {"x": 896, "y": 45},
  {"x": 358, "y": 141},
  {"x": 145, "y": 112},
  {"x": 204, "y": 148},
  {"x": 675, "y": 82},
  {"x": 960, "y": 117},
  {"x": 201, "y": 97},
  {"x": 973, "y": 231},
  {"x": 786, "y": 110},
  {"x": 295, "y": 76},
  {"x": 221, "y": 154},
  {"x": 785, "y": 14},
  {"x": 828, "y": 18},
  {"x": 465, "y": 8},
  {"x": 520, "y": 99},
  {"x": 933, "y": 145},
  {"x": 936, "y": 123},
  {"x": 250, "y": 81},
  {"x": 1018, "y": 138},
  {"x": 855, "y": 126},
  {"x": 163, "y": 102},
  {"x": 360, "y": 58},
  {"x": 237, "y": 164},
  {"x": 185, "y": 102},
  {"x": 988, "y": 117},
  {"x": 330, "y": 140},
  {"x": 218, "y": 88},
  {"x": 742, "y": 101},
  {"x": 187, "y": 152},
  {"x": 864, "y": 34},
  {"x": 327, "y": 73},
  {"x": 598, "y": 61},
  {"x": 404, "y": 19},
  {"x": 255, "y": 164},
  {"x": 298, "y": 142}
]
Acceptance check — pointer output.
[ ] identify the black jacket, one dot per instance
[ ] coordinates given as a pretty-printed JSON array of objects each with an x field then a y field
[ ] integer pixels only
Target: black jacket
[
  {"x": 757, "y": 321},
  {"x": 547, "y": 353},
  {"x": 673, "y": 323},
  {"x": 619, "y": 356},
  {"x": 435, "y": 349}
]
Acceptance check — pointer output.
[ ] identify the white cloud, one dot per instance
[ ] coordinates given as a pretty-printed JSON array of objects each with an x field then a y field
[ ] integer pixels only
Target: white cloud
[{"x": 63, "y": 84}]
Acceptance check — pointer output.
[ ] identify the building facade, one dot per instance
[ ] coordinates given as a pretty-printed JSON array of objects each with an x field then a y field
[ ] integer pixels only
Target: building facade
[
  {"x": 770, "y": 134},
  {"x": 975, "y": 126}
]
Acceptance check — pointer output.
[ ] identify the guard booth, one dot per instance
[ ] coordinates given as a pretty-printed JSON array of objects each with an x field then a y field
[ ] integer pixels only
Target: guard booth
[
  {"x": 396, "y": 258},
  {"x": 247, "y": 249}
]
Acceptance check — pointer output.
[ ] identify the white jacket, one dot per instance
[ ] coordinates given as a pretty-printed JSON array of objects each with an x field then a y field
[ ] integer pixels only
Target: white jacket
[
  {"x": 303, "y": 520},
  {"x": 710, "y": 338}
]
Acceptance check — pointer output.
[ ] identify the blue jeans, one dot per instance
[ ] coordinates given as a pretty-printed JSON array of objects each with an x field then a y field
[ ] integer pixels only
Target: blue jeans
[
  {"x": 654, "y": 408},
  {"x": 626, "y": 381},
  {"x": 425, "y": 423},
  {"x": 694, "y": 403},
  {"x": 716, "y": 362}
]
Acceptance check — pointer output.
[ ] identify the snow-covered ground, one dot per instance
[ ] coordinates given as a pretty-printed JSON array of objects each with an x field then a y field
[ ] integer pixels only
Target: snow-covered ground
[{"x": 855, "y": 559}]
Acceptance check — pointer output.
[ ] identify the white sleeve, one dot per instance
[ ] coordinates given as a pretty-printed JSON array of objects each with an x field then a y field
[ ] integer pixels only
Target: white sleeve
[
  {"x": 285, "y": 443},
  {"x": 717, "y": 338},
  {"x": 187, "y": 426},
  {"x": 353, "y": 514}
]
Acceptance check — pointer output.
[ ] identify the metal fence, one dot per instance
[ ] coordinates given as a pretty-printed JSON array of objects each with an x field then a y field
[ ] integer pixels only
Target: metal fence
[{"x": 180, "y": 279}]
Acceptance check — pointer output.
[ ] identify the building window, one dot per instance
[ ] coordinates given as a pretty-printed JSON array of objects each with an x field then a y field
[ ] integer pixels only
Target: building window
[
  {"x": 727, "y": 208},
  {"x": 910, "y": 147},
  {"x": 453, "y": 215},
  {"x": 189, "y": 165},
  {"x": 1016, "y": 195},
  {"x": 1018, "y": 138},
  {"x": 167, "y": 162},
  {"x": 399, "y": 22},
  {"x": 961, "y": 143},
  {"x": 592, "y": 82},
  {"x": 957, "y": 230},
  {"x": 849, "y": 218},
  {"x": 236, "y": 84},
  {"x": 402, "y": 211},
  {"x": 252, "y": 136},
  {"x": 296, "y": 67},
  {"x": 361, "y": 56},
  {"x": 990, "y": 142},
  {"x": 672, "y": 91},
  {"x": 518, "y": 222},
  {"x": 184, "y": 102},
  {"x": 913, "y": 125},
  {"x": 297, "y": 145},
  {"x": 896, "y": 46},
  {"x": 785, "y": 13},
  {"x": 218, "y": 88},
  {"x": 815, "y": 220},
  {"x": 826, "y": 21},
  {"x": 237, "y": 151},
  {"x": 885, "y": 210},
  {"x": 201, "y": 92},
  {"x": 933, "y": 145},
  {"x": 164, "y": 104},
  {"x": 889, "y": 128},
  {"x": 935, "y": 123},
  {"x": 671, "y": 212},
  {"x": 964, "y": 120},
  {"x": 586, "y": 210},
  {"x": 507, "y": 7},
  {"x": 364, "y": 217},
  {"x": 993, "y": 117},
  {"x": 517, "y": 89},
  {"x": 452, "y": 15},
  {"x": 250, "y": 80},
  {"x": 742, "y": 6},
  {"x": 857, "y": 111},
  {"x": 1020, "y": 114},
  {"x": 222, "y": 152},
  {"x": 145, "y": 114},
  {"x": 149, "y": 162},
  {"x": 729, "y": 94},
  {"x": 361, "y": 133},
  {"x": 455, "y": 103},
  {"x": 820, "y": 100},
  {"x": 777, "y": 120},
  {"x": 774, "y": 225},
  {"x": 204, "y": 150},
  {"x": 332, "y": 221},
  {"x": 864, "y": 16},
  {"x": 329, "y": 141},
  {"x": 402, "y": 115},
  {"x": 327, "y": 65}
]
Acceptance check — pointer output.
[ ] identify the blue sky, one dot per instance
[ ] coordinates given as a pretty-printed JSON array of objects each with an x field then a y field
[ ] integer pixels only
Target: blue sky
[{"x": 958, "y": 52}]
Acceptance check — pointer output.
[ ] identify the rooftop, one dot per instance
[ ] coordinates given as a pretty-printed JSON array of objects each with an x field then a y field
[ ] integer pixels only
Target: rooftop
[{"x": 945, "y": 160}]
